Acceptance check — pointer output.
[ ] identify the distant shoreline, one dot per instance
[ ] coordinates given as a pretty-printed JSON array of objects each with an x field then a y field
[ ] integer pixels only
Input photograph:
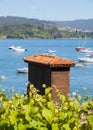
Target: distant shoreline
[{"x": 41, "y": 38}]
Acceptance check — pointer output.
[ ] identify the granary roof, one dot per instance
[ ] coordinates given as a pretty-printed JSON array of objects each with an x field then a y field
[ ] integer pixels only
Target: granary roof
[{"x": 51, "y": 61}]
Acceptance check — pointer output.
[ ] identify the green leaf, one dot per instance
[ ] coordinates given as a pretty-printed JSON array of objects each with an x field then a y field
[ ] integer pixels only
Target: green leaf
[
  {"x": 76, "y": 105},
  {"x": 21, "y": 126},
  {"x": 90, "y": 118},
  {"x": 55, "y": 126},
  {"x": 51, "y": 105},
  {"x": 3, "y": 122},
  {"x": 63, "y": 115},
  {"x": 47, "y": 114},
  {"x": 39, "y": 116},
  {"x": 36, "y": 124},
  {"x": 43, "y": 128},
  {"x": 66, "y": 127},
  {"x": 47, "y": 91},
  {"x": 27, "y": 108},
  {"x": 12, "y": 117}
]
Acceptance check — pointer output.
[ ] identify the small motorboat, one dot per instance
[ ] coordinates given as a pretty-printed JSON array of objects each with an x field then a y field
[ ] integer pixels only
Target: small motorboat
[
  {"x": 80, "y": 65},
  {"x": 22, "y": 70},
  {"x": 2, "y": 77},
  {"x": 50, "y": 53},
  {"x": 87, "y": 50},
  {"x": 17, "y": 48},
  {"x": 11, "y": 47},
  {"x": 87, "y": 59}
]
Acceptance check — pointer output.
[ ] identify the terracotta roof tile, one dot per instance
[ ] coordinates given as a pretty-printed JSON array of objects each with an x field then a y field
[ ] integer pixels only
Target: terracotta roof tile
[{"x": 52, "y": 61}]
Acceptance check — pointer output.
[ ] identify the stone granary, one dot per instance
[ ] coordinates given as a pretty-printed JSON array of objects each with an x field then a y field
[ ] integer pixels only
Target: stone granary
[{"x": 51, "y": 71}]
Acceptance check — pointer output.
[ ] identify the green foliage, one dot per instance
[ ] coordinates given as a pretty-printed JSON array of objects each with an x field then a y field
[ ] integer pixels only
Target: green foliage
[
  {"x": 40, "y": 112},
  {"x": 17, "y": 27}
]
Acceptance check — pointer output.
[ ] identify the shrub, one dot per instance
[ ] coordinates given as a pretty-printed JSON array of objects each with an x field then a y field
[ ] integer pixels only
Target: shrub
[{"x": 40, "y": 112}]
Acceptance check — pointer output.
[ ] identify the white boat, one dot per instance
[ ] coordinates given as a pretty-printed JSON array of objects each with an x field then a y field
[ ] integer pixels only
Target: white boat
[
  {"x": 80, "y": 65},
  {"x": 87, "y": 59},
  {"x": 2, "y": 77},
  {"x": 86, "y": 50},
  {"x": 50, "y": 53},
  {"x": 79, "y": 48},
  {"x": 11, "y": 47},
  {"x": 17, "y": 48},
  {"x": 22, "y": 70},
  {"x": 89, "y": 54}
]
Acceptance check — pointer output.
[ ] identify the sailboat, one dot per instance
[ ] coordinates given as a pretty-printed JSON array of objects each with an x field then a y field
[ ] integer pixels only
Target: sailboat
[
  {"x": 80, "y": 48},
  {"x": 85, "y": 49}
]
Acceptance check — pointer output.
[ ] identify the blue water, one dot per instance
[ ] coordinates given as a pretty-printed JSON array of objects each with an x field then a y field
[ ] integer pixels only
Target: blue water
[{"x": 10, "y": 61}]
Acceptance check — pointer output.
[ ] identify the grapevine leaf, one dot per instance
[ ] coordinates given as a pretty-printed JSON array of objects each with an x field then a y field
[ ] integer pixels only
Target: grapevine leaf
[
  {"x": 66, "y": 127},
  {"x": 90, "y": 118},
  {"x": 55, "y": 126},
  {"x": 47, "y": 114}
]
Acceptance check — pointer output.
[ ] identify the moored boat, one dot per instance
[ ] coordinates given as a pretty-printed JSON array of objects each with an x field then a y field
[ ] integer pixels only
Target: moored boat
[
  {"x": 86, "y": 50},
  {"x": 50, "y": 52},
  {"x": 2, "y": 77},
  {"x": 17, "y": 48},
  {"x": 87, "y": 59},
  {"x": 11, "y": 47},
  {"x": 79, "y": 48},
  {"x": 22, "y": 70},
  {"x": 80, "y": 65}
]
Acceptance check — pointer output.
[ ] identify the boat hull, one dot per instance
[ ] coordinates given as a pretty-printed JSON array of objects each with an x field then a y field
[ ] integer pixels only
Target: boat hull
[
  {"x": 85, "y": 59},
  {"x": 79, "y": 48},
  {"x": 22, "y": 70}
]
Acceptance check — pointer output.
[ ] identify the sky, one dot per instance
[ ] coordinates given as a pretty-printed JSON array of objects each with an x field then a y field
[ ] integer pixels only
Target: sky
[{"x": 55, "y": 10}]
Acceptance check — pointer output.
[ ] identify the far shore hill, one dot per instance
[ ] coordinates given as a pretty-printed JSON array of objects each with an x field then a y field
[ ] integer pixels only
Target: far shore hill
[{"x": 24, "y": 28}]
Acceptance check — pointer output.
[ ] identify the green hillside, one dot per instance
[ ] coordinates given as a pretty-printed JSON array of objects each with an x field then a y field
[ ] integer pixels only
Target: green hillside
[{"x": 18, "y": 27}]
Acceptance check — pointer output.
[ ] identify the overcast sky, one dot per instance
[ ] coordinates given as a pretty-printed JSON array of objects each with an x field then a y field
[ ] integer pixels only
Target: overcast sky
[{"x": 59, "y": 10}]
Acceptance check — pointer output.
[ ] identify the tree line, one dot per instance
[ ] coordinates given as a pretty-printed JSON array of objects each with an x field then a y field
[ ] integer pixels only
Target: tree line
[{"x": 24, "y": 31}]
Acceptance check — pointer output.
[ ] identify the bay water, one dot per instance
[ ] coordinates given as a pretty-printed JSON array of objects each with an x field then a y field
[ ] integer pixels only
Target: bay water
[{"x": 80, "y": 78}]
